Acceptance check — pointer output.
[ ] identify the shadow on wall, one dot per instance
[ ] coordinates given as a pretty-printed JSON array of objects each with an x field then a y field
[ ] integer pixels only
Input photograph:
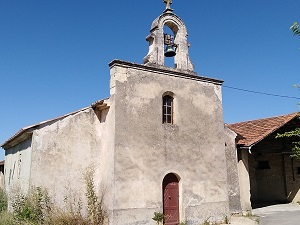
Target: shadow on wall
[
  {"x": 275, "y": 179},
  {"x": 101, "y": 114},
  {"x": 292, "y": 179}
]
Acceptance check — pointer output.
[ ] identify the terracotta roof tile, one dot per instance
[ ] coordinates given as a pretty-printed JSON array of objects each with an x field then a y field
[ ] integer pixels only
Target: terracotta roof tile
[{"x": 255, "y": 130}]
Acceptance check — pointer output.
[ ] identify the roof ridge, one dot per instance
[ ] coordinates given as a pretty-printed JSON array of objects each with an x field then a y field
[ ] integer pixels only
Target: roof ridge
[
  {"x": 256, "y": 130},
  {"x": 273, "y": 117},
  {"x": 34, "y": 126}
]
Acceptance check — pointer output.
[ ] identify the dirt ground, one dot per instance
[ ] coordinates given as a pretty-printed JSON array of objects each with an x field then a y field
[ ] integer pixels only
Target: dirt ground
[{"x": 283, "y": 214}]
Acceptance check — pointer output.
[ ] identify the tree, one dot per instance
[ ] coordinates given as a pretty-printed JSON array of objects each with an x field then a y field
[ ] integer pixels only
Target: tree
[
  {"x": 293, "y": 134},
  {"x": 295, "y": 29},
  {"x": 296, "y": 145}
]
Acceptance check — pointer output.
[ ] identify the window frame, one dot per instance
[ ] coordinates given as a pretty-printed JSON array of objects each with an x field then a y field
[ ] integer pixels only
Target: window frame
[
  {"x": 167, "y": 109},
  {"x": 264, "y": 165}
]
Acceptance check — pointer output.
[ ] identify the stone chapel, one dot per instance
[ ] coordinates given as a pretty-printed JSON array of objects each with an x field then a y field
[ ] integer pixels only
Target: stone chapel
[{"x": 158, "y": 143}]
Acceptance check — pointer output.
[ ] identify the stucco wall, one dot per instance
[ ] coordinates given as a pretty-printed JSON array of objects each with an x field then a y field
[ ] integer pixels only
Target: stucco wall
[
  {"x": 146, "y": 150},
  {"x": 244, "y": 180},
  {"x": 232, "y": 172},
  {"x": 17, "y": 167},
  {"x": 62, "y": 152}
]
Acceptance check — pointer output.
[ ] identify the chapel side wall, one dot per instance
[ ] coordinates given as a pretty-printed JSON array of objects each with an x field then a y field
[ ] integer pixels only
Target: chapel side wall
[
  {"x": 232, "y": 172},
  {"x": 63, "y": 152},
  {"x": 17, "y": 167},
  {"x": 146, "y": 150}
]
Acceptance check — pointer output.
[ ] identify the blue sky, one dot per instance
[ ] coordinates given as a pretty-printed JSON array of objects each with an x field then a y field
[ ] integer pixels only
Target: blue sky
[{"x": 54, "y": 54}]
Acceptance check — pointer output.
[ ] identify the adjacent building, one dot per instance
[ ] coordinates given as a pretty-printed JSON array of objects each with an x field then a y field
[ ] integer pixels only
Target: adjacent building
[{"x": 269, "y": 175}]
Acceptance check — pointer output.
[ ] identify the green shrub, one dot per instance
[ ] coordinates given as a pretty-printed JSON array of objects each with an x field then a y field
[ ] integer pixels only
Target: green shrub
[
  {"x": 33, "y": 208},
  {"x": 158, "y": 217},
  {"x": 97, "y": 213}
]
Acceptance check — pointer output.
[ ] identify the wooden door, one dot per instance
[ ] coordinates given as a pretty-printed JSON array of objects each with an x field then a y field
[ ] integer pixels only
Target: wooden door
[{"x": 171, "y": 199}]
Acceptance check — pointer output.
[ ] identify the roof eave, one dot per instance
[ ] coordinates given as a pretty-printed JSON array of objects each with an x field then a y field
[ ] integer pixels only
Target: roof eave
[
  {"x": 271, "y": 132},
  {"x": 21, "y": 136},
  {"x": 26, "y": 132}
]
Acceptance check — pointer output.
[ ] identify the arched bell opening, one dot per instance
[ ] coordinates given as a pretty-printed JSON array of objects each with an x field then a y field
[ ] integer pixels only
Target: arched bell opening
[
  {"x": 170, "y": 188},
  {"x": 171, "y": 24},
  {"x": 170, "y": 47}
]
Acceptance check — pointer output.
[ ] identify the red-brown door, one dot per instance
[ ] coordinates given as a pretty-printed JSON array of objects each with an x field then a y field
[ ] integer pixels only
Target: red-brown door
[{"x": 171, "y": 199}]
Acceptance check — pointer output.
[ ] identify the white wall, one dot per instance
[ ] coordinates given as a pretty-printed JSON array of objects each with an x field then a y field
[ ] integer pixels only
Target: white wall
[
  {"x": 62, "y": 152},
  {"x": 17, "y": 166}
]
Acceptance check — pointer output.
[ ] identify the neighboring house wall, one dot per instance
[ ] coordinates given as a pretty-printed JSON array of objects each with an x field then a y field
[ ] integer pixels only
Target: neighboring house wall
[
  {"x": 280, "y": 181},
  {"x": 232, "y": 172},
  {"x": 267, "y": 185},
  {"x": 244, "y": 182},
  {"x": 63, "y": 152},
  {"x": 292, "y": 168},
  {"x": 17, "y": 166},
  {"x": 146, "y": 150}
]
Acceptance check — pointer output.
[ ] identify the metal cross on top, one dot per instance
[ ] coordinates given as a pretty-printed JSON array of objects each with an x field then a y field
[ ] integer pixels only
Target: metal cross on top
[{"x": 168, "y": 2}]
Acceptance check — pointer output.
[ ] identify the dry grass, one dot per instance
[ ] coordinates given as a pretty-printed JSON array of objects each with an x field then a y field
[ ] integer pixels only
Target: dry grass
[{"x": 36, "y": 208}]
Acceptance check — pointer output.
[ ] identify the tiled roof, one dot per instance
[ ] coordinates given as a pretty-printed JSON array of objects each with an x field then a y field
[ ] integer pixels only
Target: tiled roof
[{"x": 255, "y": 130}]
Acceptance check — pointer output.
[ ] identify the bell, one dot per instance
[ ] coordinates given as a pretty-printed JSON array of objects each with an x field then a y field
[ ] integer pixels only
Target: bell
[{"x": 170, "y": 52}]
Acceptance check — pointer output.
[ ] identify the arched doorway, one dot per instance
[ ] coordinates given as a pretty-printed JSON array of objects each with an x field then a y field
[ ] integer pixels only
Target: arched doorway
[{"x": 171, "y": 199}]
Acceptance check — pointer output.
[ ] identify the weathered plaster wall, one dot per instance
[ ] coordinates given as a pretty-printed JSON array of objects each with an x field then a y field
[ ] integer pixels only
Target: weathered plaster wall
[
  {"x": 62, "y": 152},
  {"x": 232, "y": 172},
  {"x": 17, "y": 167},
  {"x": 244, "y": 180},
  {"x": 146, "y": 150}
]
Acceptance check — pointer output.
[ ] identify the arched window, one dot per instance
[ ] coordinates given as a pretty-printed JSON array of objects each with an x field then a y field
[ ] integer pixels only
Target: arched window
[{"x": 167, "y": 109}]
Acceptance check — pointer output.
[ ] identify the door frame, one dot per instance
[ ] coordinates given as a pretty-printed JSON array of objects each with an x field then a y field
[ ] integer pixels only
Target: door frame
[{"x": 176, "y": 178}]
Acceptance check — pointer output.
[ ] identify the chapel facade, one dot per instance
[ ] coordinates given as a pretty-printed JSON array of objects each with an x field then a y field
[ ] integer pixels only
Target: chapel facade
[{"x": 157, "y": 144}]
